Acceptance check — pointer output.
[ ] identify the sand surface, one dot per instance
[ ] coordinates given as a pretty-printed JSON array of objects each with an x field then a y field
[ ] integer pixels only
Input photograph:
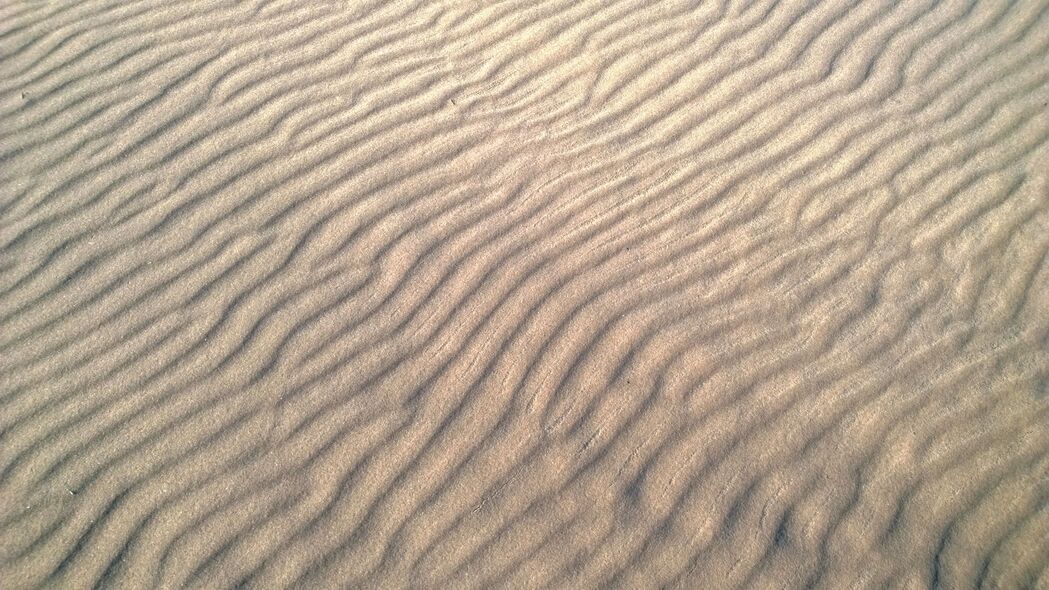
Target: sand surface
[{"x": 524, "y": 293}]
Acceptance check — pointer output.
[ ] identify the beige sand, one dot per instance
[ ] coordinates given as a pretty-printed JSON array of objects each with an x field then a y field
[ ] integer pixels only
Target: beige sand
[{"x": 524, "y": 293}]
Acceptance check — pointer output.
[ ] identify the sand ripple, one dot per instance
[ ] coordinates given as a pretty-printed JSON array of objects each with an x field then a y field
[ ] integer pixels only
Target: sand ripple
[{"x": 524, "y": 293}]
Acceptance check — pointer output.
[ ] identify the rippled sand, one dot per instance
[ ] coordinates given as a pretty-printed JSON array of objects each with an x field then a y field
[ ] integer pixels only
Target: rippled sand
[{"x": 524, "y": 293}]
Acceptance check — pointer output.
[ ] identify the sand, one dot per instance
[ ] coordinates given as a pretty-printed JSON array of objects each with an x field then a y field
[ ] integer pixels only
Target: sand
[{"x": 524, "y": 293}]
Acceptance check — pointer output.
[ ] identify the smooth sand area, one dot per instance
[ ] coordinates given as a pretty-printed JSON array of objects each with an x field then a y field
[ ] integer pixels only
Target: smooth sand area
[{"x": 524, "y": 293}]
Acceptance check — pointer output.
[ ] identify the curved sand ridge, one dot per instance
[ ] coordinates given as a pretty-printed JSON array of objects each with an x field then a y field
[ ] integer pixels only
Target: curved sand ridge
[{"x": 520, "y": 293}]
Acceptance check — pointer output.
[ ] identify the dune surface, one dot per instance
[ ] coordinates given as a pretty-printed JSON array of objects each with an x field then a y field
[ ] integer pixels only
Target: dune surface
[{"x": 524, "y": 293}]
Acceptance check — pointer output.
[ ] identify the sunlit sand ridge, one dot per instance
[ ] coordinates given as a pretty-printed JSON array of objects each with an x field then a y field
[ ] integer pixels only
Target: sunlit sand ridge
[{"x": 558, "y": 293}]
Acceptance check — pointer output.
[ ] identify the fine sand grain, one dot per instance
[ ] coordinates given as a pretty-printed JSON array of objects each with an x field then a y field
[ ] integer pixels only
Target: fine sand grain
[{"x": 524, "y": 293}]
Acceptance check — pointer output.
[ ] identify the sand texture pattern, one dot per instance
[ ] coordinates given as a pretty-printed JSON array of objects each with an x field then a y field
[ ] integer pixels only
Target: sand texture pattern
[{"x": 524, "y": 293}]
